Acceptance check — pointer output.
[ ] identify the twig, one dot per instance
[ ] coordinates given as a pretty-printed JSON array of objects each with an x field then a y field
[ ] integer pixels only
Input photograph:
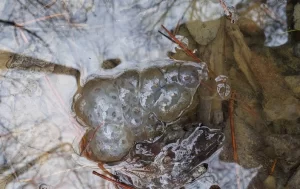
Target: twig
[
  {"x": 177, "y": 26},
  {"x": 273, "y": 167},
  {"x": 234, "y": 147},
  {"x": 112, "y": 180},
  {"x": 62, "y": 104},
  {"x": 186, "y": 50},
  {"x": 39, "y": 19},
  {"x": 225, "y": 8},
  {"x": 24, "y": 36},
  {"x": 101, "y": 166},
  {"x": 181, "y": 45},
  {"x": 90, "y": 139},
  {"x": 10, "y": 23},
  {"x": 20, "y": 171},
  {"x": 288, "y": 31},
  {"x": 229, "y": 13},
  {"x": 166, "y": 36},
  {"x": 50, "y": 4}
]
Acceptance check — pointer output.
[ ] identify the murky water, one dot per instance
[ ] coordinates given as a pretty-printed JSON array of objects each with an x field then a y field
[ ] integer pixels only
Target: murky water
[{"x": 94, "y": 86}]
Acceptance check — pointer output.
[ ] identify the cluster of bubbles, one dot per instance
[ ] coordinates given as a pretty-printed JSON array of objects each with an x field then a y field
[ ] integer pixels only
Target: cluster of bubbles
[{"x": 134, "y": 106}]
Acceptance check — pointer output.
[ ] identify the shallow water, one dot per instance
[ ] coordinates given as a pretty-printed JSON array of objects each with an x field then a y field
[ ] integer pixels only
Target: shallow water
[{"x": 49, "y": 49}]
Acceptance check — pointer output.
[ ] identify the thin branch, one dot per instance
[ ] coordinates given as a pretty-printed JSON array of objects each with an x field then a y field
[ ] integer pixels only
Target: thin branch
[
  {"x": 40, "y": 19},
  {"x": 112, "y": 180}
]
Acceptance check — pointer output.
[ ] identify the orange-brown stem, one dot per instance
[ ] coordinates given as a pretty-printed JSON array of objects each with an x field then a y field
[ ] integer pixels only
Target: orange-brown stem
[
  {"x": 234, "y": 147},
  {"x": 101, "y": 166},
  {"x": 186, "y": 50},
  {"x": 181, "y": 45},
  {"x": 273, "y": 167},
  {"x": 89, "y": 140},
  {"x": 177, "y": 27},
  {"x": 112, "y": 180}
]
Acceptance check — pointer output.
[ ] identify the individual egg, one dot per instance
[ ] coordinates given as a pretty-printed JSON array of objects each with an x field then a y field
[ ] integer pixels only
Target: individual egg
[
  {"x": 171, "y": 74},
  {"x": 113, "y": 114},
  {"x": 151, "y": 80},
  {"x": 129, "y": 98},
  {"x": 128, "y": 81},
  {"x": 98, "y": 102},
  {"x": 109, "y": 142},
  {"x": 134, "y": 116},
  {"x": 170, "y": 101},
  {"x": 189, "y": 76},
  {"x": 153, "y": 126}
]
